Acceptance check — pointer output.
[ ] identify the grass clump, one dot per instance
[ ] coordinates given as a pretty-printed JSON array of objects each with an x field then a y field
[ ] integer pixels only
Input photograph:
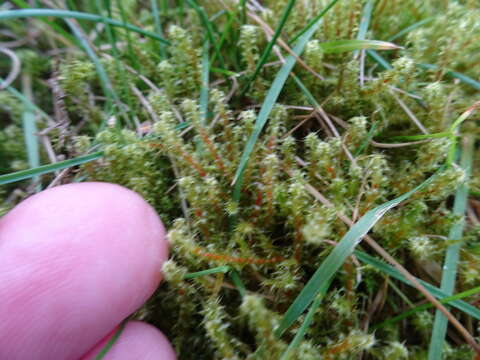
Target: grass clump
[{"x": 260, "y": 154}]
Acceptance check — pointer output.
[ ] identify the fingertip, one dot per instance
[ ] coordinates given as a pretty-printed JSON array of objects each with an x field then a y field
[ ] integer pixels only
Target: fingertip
[{"x": 75, "y": 260}]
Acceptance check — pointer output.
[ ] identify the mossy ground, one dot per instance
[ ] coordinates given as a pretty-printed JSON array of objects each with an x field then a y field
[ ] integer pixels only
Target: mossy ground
[{"x": 173, "y": 121}]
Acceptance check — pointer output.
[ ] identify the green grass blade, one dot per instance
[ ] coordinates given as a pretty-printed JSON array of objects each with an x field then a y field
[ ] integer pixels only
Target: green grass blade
[
  {"x": 456, "y": 75},
  {"x": 45, "y": 169},
  {"x": 379, "y": 60},
  {"x": 226, "y": 30},
  {"x": 267, "y": 107},
  {"x": 410, "y": 28},
  {"x": 463, "y": 78},
  {"x": 131, "y": 53},
  {"x": 31, "y": 141},
  {"x": 237, "y": 281},
  {"x": 365, "y": 21},
  {"x": 300, "y": 334},
  {"x": 464, "y": 116},
  {"x": 243, "y": 11},
  {"x": 339, "y": 46},
  {"x": 24, "y": 13},
  {"x": 26, "y": 102},
  {"x": 421, "y": 137},
  {"x": 313, "y": 21},
  {"x": 102, "y": 74},
  {"x": 158, "y": 27},
  {"x": 58, "y": 29},
  {"x": 394, "y": 273},
  {"x": 339, "y": 254},
  {"x": 272, "y": 42},
  {"x": 426, "y": 306},
  {"x": 111, "y": 342},
  {"x": 205, "y": 83},
  {"x": 209, "y": 29},
  {"x": 220, "y": 269},
  {"x": 453, "y": 251}
]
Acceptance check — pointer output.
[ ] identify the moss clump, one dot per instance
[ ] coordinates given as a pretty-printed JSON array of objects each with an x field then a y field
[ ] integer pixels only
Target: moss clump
[{"x": 184, "y": 116}]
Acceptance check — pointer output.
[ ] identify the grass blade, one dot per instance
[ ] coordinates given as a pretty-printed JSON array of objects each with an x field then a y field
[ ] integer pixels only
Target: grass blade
[
  {"x": 111, "y": 342},
  {"x": 267, "y": 107},
  {"x": 426, "y": 306},
  {"x": 453, "y": 252},
  {"x": 28, "y": 104},
  {"x": 209, "y": 29},
  {"x": 306, "y": 323},
  {"x": 45, "y": 169},
  {"x": 391, "y": 271},
  {"x": 220, "y": 269},
  {"x": 456, "y": 75},
  {"x": 68, "y": 39},
  {"x": 31, "y": 141},
  {"x": 313, "y": 21},
  {"x": 237, "y": 281},
  {"x": 339, "y": 46},
  {"x": 339, "y": 254},
  {"x": 365, "y": 21},
  {"x": 102, "y": 74},
  {"x": 411, "y": 28},
  {"x": 130, "y": 51},
  {"x": 158, "y": 27},
  {"x": 379, "y": 60},
  {"x": 272, "y": 42},
  {"x": 463, "y": 78},
  {"x": 23, "y": 13},
  {"x": 205, "y": 83}
]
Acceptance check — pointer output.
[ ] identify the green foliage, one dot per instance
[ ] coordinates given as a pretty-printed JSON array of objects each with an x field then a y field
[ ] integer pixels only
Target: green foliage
[{"x": 339, "y": 131}]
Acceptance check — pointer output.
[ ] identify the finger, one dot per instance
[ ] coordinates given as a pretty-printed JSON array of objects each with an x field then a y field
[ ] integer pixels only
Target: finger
[
  {"x": 75, "y": 260},
  {"x": 138, "y": 341}
]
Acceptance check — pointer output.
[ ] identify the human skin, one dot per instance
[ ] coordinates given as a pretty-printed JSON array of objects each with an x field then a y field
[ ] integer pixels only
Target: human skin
[{"x": 75, "y": 261}]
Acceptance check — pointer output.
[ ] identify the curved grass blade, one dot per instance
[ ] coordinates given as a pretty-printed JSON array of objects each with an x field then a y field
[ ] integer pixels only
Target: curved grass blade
[
  {"x": 45, "y": 169},
  {"x": 452, "y": 257},
  {"x": 271, "y": 43},
  {"x": 426, "y": 306},
  {"x": 439, "y": 294},
  {"x": 68, "y": 39},
  {"x": 339, "y": 46},
  {"x": 267, "y": 107},
  {"x": 339, "y": 254},
  {"x": 23, "y": 13}
]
